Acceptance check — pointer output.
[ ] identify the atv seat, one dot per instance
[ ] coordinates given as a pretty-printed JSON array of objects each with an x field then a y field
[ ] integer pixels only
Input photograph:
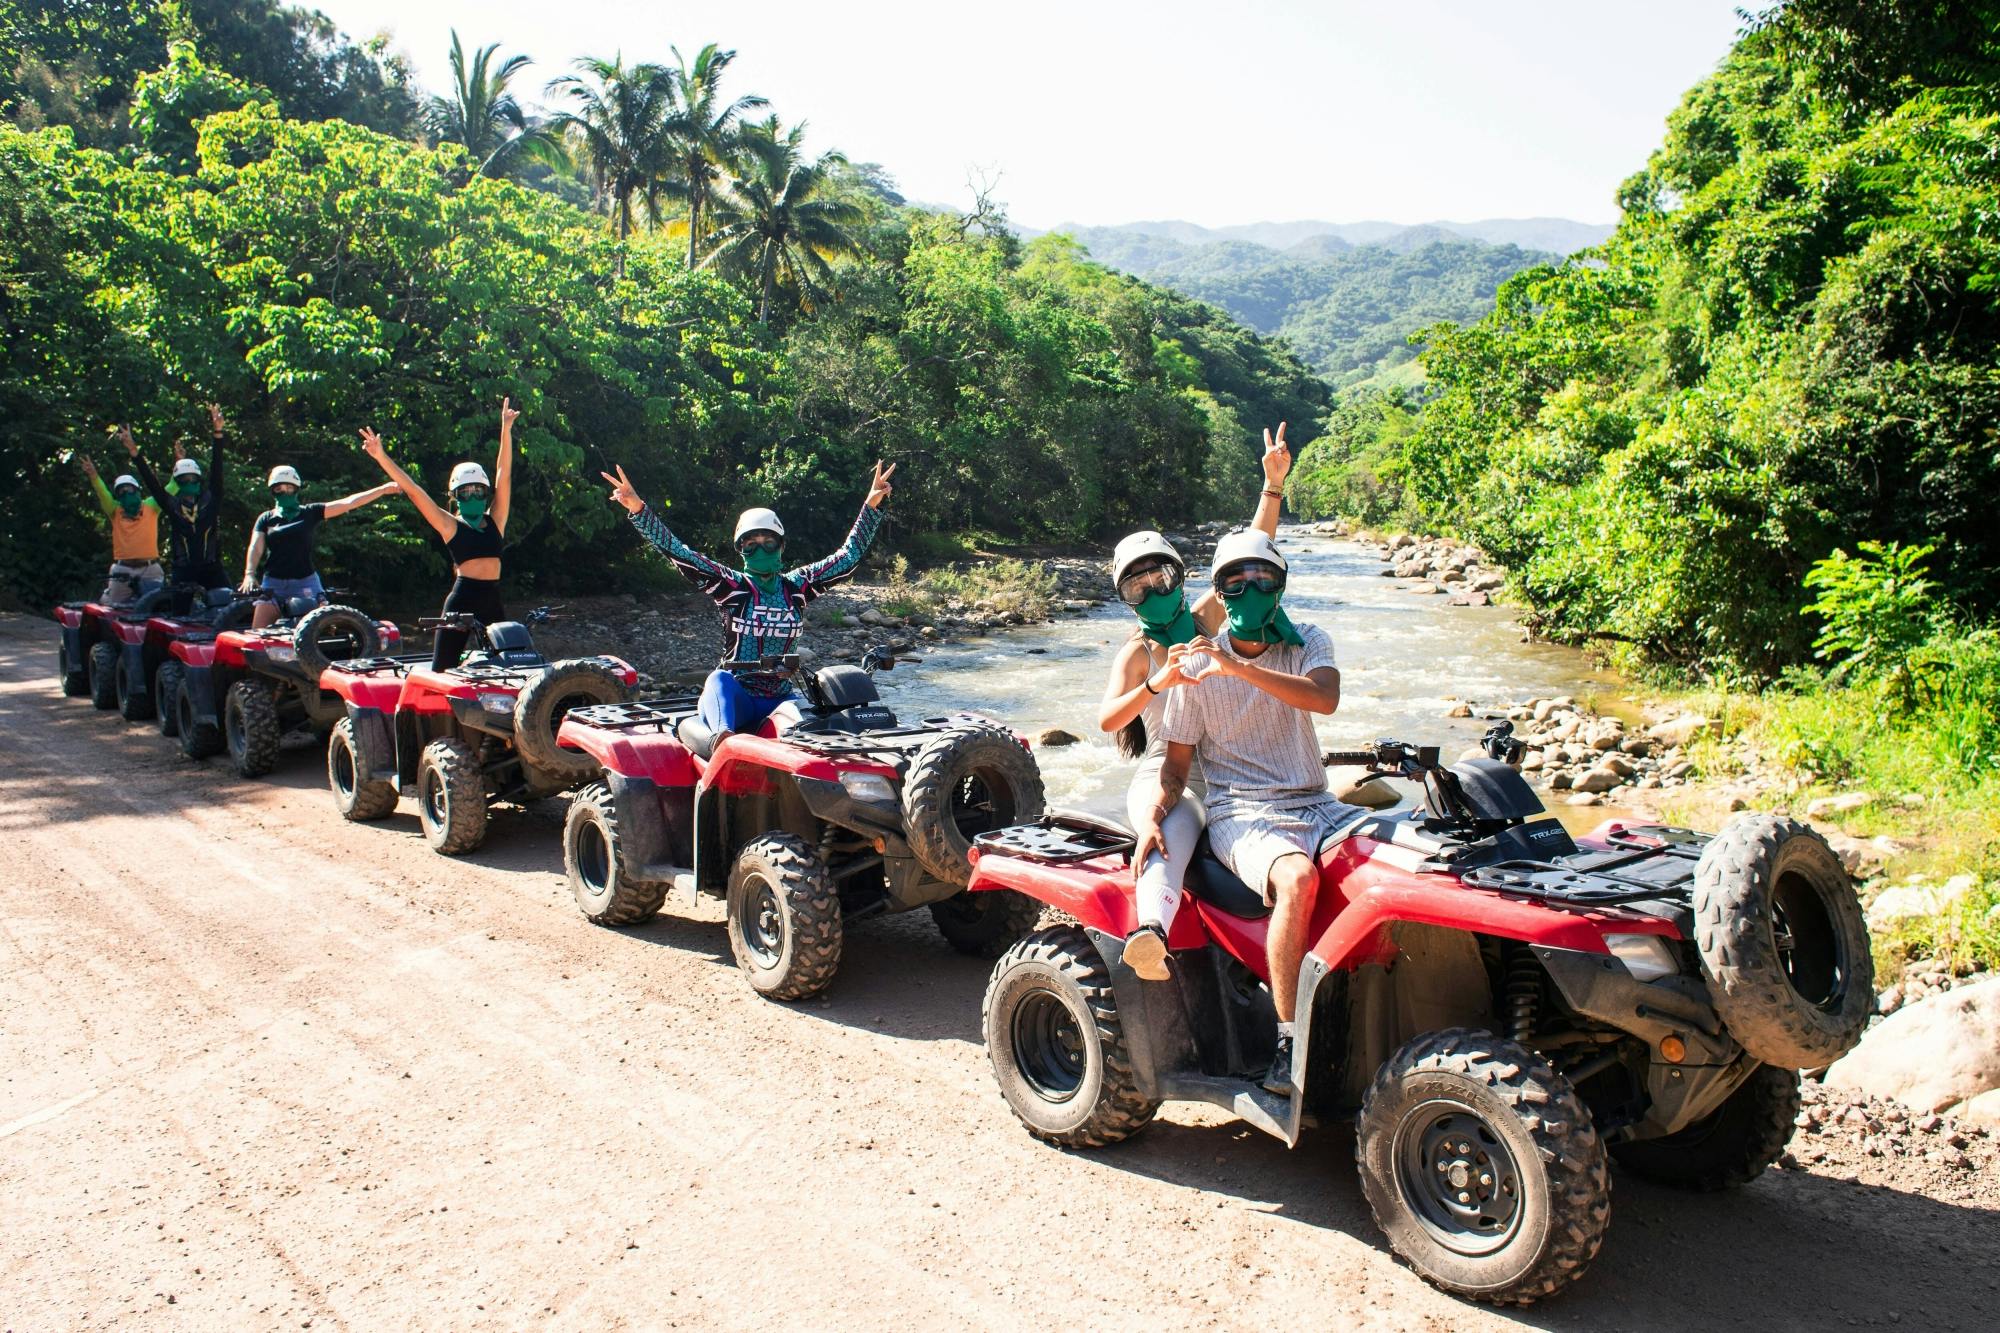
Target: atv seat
[
  {"x": 696, "y": 737},
  {"x": 1217, "y": 885}
]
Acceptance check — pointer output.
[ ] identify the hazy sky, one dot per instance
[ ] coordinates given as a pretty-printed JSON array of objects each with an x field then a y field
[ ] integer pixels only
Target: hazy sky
[{"x": 1240, "y": 111}]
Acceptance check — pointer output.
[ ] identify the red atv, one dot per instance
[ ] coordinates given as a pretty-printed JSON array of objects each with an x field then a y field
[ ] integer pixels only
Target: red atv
[
  {"x": 843, "y": 815},
  {"x": 242, "y": 689},
  {"x": 461, "y": 739},
  {"x": 1502, "y": 1004},
  {"x": 116, "y": 654}
]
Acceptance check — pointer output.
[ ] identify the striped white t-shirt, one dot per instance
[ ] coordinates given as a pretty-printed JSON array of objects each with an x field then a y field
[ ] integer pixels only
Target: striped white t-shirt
[{"x": 1253, "y": 746}]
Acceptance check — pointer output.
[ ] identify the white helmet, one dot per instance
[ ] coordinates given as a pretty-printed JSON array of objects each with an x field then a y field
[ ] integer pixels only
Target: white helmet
[
  {"x": 187, "y": 467},
  {"x": 1242, "y": 545},
  {"x": 125, "y": 479},
  {"x": 284, "y": 475},
  {"x": 468, "y": 474},
  {"x": 1142, "y": 546},
  {"x": 757, "y": 520}
]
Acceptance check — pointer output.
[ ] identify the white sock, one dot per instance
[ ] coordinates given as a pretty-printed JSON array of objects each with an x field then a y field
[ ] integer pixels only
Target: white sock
[{"x": 1284, "y": 1032}]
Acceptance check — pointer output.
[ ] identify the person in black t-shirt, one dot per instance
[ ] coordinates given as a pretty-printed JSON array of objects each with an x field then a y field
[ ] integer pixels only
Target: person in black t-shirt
[{"x": 282, "y": 538}]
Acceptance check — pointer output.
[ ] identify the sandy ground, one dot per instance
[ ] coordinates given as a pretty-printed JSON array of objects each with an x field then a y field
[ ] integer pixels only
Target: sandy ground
[{"x": 263, "y": 1069}]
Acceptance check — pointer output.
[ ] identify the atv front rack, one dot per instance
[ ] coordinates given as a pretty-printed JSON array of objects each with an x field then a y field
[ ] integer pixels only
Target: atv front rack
[
  {"x": 1645, "y": 862},
  {"x": 1056, "y": 840},
  {"x": 369, "y": 666}
]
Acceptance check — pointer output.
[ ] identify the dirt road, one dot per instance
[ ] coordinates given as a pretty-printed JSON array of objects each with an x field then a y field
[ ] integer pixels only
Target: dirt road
[{"x": 265, "y": 1069}]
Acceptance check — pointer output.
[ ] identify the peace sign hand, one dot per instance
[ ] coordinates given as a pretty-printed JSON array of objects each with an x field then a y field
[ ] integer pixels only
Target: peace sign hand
[
  {"x": 125, "y": 438},
  {"x": 622, "y": 491},
  {"x": 371, "y": 444},
  {"x": 879, "y": 489},
  {"x": 1277, "y": 458}
]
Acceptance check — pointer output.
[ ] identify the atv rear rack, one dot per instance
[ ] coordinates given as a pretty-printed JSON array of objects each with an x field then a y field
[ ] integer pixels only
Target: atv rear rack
[
  {"x": 1055, "y": 840},
  {"x": 662, "y": 715}
]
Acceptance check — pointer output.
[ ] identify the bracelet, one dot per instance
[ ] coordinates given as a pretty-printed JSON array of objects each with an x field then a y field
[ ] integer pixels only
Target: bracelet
[
  {"x": 1148, "y": 683},
  {"x": 1275, "y": 495}
]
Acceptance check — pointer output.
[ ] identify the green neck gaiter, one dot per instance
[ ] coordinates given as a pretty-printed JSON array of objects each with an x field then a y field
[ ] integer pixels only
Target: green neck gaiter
[
  {"x": 760, "y": 563},
  {"x": 473, "y": 510},
  {"x": 130, "y": 504},
  {"x": 1164, "y": 617},
  {"x": 288, "y": 506},
  {"x": 1255, "y": 617}
]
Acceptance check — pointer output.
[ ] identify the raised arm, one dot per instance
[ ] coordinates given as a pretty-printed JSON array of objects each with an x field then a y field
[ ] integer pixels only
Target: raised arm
[
  {"x": 161, "y": 495},
  {"x": 335, "y": 508},
  {"x": 104, "y": 500},
  {"x": 215, "y": 426},
  {"x": 829, "y": 570},
  {"x": 441, "y": 522},
  {"x": 1277, "y": 463},
  {"x": 703, "y": 572},
  {"x": 503, "y": 471}
]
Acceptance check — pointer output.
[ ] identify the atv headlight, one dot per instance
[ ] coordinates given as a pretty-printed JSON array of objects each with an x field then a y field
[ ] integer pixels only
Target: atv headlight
[
  {"x": 282, "y": 654},
  {"x": 497, "y": 703},
  {"x": 869, "y": 787},
  {"x": 1645, "y": 956}
]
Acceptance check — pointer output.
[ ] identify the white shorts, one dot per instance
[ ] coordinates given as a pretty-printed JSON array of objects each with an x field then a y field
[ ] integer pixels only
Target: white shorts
[{"x": 1250, "y": 836}]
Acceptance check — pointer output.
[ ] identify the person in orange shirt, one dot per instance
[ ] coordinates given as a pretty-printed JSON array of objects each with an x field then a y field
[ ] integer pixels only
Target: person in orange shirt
[{"x": 135, "y": 535}]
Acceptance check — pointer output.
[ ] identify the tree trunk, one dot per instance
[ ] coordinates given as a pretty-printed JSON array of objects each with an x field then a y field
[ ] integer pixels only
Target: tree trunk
[
  {"x": 770, "y": 272},
  {"x": 694, "y": 217}
]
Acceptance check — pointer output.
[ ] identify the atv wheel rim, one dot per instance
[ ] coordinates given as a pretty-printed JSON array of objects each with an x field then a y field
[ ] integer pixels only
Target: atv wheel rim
[
  {"x": 1809, "y": 947},
  {"x": 1458, "y": 1178},
  {"x": 184, "y": 712},
  {"x": 593, "y": 859},
  {"x": 1048, "y": 1046},
  {"x": 343, "y": 770},
  {"x": 232, "y": 725},
  {"x": 763, "y": 923},
  {"x": 436, "y": 805},
  {"x": 980, "y": 803}
]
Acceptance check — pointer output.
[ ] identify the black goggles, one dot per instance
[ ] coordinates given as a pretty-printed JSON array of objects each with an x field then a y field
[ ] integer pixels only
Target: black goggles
[
  {"x": 1236, "y": 582},
  {"x": 1139, "y": 584},
  {"x": 470, "y": 490},
  {"x": 761, "y": 541},
  {"x": 284, "y": 488}
]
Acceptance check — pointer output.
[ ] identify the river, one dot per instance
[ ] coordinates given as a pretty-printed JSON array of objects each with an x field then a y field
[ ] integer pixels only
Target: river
[{"x": 1403, "y": 659}]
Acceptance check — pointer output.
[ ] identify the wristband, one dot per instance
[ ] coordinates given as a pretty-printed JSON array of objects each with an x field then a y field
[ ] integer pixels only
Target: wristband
[
  {"x": 1148, "y": 683},
  {"x": 1275, "y": 495}
]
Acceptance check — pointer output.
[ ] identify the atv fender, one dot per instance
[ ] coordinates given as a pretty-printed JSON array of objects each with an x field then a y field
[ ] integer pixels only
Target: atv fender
[
  {"x": 642, "y": 826},
  {"x": 375, "y": 738},
  {"x": 198, "y": 683},
  {"x": 1600, "y": 986},
  {"x": 75, "y": 647}
]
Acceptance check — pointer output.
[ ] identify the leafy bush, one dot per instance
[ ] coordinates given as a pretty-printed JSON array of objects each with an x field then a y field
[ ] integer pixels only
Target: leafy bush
[
  {"x": 994, "y": 588},
  {"x": 1875, "y": 608}
]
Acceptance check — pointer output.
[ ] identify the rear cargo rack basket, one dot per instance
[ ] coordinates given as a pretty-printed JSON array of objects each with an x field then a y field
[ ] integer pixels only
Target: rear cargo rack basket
[{"x": 1055, "y": 840}]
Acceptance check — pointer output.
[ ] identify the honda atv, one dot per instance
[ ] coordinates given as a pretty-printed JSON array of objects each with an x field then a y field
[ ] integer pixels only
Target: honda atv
[
  {"x": 242, "y": 689},
  {"x": 461, "y": 739},
  {"x": 115, "y": 653},
  {"x": 843, "y": 815},
  {"x": 1504, "y": 1006}
]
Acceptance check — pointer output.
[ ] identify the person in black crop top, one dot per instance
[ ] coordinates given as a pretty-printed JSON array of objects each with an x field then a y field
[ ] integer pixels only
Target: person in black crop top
[
  {"x": 284, "y": 533},
  {"x": 473, "y": 531}
]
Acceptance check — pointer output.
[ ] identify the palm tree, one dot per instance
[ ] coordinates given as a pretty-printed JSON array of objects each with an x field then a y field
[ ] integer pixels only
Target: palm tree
[
  {"x": 703, "y": 129},
  {"x": 617, "y": 117},
  {"x": 483, "y": 115},
  {"x": 778, "y": 223}
]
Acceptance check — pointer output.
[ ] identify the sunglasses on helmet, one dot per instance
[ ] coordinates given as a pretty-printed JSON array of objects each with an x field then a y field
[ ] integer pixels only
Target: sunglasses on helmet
[
  {"x": 1235, "y": 582},
  {"x": 1141, "y": 583}
]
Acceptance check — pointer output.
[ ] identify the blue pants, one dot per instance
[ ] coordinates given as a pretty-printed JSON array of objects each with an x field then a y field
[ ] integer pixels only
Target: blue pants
[{"x": 727, "y": 706}]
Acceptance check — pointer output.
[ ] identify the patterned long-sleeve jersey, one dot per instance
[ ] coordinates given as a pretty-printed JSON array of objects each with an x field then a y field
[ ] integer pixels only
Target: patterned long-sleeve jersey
[{"x": 761, "y": 619}]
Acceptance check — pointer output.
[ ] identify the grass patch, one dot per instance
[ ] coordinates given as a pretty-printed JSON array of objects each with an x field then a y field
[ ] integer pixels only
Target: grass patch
[{"x": 993, "y": 587}]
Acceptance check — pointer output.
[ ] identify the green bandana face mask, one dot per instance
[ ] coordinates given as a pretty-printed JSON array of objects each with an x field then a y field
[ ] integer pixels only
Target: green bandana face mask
[
  {"x": 288, "y": 505},
  {"x": 1164, "y": 617},
  {"x": 764, "y": 563},
  {"x": 130, "y": 502},
  {"x": 473, "y": 509},
  {"x": 1255, "y": 617}
]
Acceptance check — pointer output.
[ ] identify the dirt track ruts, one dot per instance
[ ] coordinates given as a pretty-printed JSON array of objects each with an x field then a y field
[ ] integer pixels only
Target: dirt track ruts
[{"x": 266, "y": 1069}]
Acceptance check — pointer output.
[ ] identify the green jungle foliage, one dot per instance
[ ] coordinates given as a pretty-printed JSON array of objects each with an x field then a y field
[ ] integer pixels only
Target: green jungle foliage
[
  {"x": 314, "y": 277},
  {"x": 1790, "y": 345}
]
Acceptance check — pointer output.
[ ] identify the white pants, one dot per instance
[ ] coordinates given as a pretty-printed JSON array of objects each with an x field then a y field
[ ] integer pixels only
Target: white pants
[{"x": 1160, "y": 879}]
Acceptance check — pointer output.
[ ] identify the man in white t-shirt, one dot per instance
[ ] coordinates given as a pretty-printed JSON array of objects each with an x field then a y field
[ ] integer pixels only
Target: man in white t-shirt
[{"x": 1248, "y": 715}]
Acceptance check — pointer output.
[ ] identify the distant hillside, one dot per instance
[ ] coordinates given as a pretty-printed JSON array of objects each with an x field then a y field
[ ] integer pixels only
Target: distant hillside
[
  {"x": 1559, "y": 236},
  {"x": 1347, "y": 303}
]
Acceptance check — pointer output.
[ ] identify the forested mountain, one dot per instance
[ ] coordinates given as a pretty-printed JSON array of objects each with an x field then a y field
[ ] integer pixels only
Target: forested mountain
[
  {"x": 194, "y": 208},
  {"x": 1348, "y": 309},
  {"x": 1789, "y": 348},
  {"x": 1559, "y": 236}
]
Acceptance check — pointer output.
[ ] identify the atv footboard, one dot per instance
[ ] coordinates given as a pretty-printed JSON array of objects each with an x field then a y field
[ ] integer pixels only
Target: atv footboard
[{"x": 656, "y": 824}]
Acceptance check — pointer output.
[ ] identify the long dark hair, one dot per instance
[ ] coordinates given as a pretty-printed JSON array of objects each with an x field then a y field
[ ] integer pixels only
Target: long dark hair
[{"x": 1131, "y": 738}]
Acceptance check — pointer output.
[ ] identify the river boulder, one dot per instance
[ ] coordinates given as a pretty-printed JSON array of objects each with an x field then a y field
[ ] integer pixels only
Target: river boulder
[{"x": 1931, "y": 1055}]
